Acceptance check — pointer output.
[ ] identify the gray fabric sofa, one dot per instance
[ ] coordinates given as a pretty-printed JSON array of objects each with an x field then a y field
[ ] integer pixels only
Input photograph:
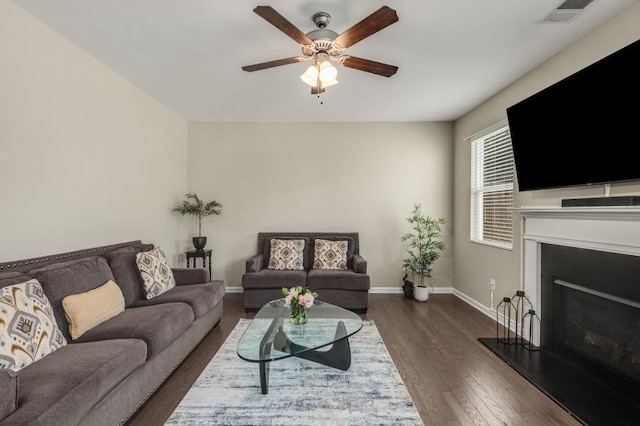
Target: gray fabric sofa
[
  {"x": 346, "y": 288},
  {"x": 106, "y": 374}
]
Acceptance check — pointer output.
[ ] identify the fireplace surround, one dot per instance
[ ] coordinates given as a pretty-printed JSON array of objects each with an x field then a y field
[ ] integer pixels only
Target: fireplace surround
[{"x": 581, "y": 272}]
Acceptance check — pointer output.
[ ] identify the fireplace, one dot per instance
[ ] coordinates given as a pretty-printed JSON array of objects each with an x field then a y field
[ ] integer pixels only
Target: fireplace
[
  {"x": 593, "y": 301},
  {"x": 581, "y": 272}
]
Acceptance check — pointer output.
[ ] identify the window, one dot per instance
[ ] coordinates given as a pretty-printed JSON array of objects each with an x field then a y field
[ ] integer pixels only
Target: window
[{"x": 492, "y": 173}]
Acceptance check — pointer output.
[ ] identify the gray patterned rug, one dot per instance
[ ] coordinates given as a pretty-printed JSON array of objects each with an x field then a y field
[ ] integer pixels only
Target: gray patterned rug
[{"x": 301, "y": 392}]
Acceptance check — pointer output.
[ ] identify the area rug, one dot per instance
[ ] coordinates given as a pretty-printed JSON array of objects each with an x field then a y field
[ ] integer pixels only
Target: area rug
[{"x": 301, "y": 392}]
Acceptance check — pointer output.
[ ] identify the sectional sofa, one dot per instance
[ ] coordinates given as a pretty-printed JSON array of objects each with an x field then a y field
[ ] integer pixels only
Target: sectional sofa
[{"x": 102, "y": 376}]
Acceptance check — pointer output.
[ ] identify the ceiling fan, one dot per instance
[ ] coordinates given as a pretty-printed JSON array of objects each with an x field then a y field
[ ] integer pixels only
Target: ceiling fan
[{"x": 323, "y": 45}]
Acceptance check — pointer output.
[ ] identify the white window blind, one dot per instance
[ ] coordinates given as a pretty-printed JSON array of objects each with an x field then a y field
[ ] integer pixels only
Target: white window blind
[{"x": 492, "y": 173}]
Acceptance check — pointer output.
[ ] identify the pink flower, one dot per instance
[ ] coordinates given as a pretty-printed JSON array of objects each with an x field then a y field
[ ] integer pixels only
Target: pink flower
[
  {"x": 307, "y": 301},
  {"x": 298, "y": 296}
]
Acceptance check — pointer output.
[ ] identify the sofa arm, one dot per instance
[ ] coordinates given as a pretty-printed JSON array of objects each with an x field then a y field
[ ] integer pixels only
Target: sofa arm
[
  {"x": 8, "y": 392},
  {"x": 255, "y": 263},
  {"x": 359, "y": 264},
  {"x": 186, "y": 276}
]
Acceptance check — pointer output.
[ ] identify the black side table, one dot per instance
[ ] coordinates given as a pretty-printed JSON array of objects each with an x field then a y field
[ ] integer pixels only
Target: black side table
[{"x": 203, "y": 254}]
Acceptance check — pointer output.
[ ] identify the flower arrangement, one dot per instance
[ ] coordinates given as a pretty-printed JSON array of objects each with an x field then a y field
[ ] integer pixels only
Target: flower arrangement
[{"x": 299, "y": 299}]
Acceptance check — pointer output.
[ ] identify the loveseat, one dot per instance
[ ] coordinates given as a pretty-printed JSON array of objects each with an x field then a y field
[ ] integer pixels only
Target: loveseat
[
  {"x": 343, "y": 281},
  {"x": 100, "y": 375}
]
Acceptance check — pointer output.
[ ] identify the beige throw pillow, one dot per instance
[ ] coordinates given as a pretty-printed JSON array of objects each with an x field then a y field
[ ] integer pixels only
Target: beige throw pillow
[
  {"x": 28, "y": 329},
  {"x": 330, "y": 254},
  {"x": 155, "y": 271},
  {"x": 286, "y": 254},
  {"x": 86, "y": 310}
]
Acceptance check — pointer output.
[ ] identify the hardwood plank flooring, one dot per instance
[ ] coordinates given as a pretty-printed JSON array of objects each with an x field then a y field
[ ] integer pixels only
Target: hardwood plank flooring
[{"x": 452, "y": 378}]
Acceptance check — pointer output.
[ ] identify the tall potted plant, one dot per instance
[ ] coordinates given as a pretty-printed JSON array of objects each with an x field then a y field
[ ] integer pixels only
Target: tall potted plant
[
  {"x": 423, "y": 249},
  {"x": 194, "y": 206}
]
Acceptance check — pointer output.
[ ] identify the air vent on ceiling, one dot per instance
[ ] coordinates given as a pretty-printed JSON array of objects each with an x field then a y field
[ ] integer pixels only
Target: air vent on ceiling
[{"x": 566, "y": 11}]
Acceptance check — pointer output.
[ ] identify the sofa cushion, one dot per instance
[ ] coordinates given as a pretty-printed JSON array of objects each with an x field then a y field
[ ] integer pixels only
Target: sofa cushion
[
  {"x": 351, "y": 249},
  {"x": 155, "y": 271},
  {"x": 125, "y": 271},
  {"x": 9, "y": 278},
  {"x": 134, "y": 248},
  {"x": 268, "y": 278},
  {"x": 156, "y": 325},
  {"x": 28, "y": 330},
  {"x": 87, "y": 310},
  {"x": 63, "y": 387},
  {"x": 201, "y": 297},
  {"x": 330, "y": 254},
  {"x": 60, "y": 280},
  {"x": 286, "y": 254},
  {"x": 319, "y": 279},
  {"x": 8, "y": 392},
  {"x": 189, "y": 276},
  {"x": 306, "y": 257}
]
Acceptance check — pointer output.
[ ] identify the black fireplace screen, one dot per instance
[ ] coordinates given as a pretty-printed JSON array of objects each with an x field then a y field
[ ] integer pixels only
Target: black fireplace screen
[{"x": 598, "y": 326}]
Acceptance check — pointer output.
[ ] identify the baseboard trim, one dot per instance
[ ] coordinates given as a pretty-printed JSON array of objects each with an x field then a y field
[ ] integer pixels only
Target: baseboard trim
[
  {"x": 379, "y": 290},
  {"x": 398, "y": 290},
  {"x": 490, "y": 312}
]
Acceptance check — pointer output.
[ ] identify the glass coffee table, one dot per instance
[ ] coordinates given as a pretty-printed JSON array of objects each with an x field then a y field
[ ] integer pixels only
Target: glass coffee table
[{"x": 271, "y": 337}]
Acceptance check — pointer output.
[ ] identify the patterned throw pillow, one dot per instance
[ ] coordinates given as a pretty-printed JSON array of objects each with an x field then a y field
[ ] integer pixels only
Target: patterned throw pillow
[
  {"x": 287, "y": 254},
  {"x": 28, "y": 329},
  {"x": 330, "y": 254},
  {"x": 155, "y": 271}
]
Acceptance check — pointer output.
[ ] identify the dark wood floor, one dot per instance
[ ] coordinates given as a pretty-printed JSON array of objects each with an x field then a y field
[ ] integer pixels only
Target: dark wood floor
[{"x": 452, "y": 378}]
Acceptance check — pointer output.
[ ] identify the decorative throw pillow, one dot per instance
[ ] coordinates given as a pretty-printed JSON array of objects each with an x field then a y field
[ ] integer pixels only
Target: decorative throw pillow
[
  {"x": 330, "y": 254},
  {"x": 287, "y": 254},
  {"x": 28, "y": 329},
  {"x": 155, "y": 271},
  {"x": 89, "y": 309}
]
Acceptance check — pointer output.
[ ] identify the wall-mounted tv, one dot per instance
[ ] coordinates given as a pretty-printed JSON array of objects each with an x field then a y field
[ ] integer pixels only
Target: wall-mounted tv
[{"x": 582, "y": 130}]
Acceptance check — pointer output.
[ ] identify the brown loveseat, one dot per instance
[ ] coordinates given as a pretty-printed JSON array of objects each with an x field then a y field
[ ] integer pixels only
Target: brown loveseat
[
  {"x": 348, "y": 288},
  {"x": 104, "y": 376}
]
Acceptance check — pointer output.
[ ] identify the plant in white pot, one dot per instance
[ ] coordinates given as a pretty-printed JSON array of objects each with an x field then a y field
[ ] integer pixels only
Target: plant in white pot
[
  {"x": 194, "y": 206},
  {"x": 423, "y": 249}
]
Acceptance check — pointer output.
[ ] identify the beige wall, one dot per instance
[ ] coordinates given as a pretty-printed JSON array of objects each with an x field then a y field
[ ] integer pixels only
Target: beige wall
[
  {"x": 86, "y": 158},
  {"x": 475, "y": 264},
  {"x": 362, "y": 177}
]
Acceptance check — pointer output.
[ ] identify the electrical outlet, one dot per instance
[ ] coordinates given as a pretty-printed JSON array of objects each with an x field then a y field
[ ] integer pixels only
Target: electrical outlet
[{"x": 491, "y": 285}]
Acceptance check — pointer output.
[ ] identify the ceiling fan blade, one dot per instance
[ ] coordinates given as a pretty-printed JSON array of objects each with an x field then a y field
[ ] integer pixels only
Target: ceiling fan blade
[
  {"x": 369, "y": 66},
  {"x": 373, "y": 23},
  {"x": 271, "y": 64},
  {"x": 280, "y": 22}
]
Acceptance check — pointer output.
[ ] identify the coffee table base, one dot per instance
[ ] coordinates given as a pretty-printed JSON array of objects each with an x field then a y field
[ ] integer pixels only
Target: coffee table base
[{"x": 339, "y": 356}]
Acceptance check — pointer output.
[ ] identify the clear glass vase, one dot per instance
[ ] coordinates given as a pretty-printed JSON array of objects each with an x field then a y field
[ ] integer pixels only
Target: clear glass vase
[{"x": 298, "y": 315}]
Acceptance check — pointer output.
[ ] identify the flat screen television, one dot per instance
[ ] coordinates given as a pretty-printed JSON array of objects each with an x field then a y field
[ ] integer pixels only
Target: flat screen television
[{"x": 582, "y": 130}]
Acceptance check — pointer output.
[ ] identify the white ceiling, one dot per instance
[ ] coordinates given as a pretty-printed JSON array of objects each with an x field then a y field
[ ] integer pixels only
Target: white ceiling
[{"x": 452, "y": 54}]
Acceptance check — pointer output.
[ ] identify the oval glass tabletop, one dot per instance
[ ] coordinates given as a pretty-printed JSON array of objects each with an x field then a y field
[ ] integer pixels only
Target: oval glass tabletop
[{"x": 271, "y": 336}]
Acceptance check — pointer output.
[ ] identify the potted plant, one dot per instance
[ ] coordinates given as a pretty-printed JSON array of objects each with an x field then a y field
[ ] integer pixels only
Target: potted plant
[
  {"x": 194, "y": 206},
  {"x": 423, "y": 249}
]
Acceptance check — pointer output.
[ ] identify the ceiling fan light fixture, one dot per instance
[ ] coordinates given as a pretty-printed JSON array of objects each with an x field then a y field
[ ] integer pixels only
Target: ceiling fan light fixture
[
  {"x": 310, "y": 76},
  {"x": 327, "y": 72},
  {"x": 329, "y": 83}
]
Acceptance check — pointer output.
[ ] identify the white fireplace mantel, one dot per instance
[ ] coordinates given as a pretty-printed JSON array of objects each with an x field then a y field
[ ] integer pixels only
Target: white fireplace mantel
[{"x": 611, "y": 229}]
